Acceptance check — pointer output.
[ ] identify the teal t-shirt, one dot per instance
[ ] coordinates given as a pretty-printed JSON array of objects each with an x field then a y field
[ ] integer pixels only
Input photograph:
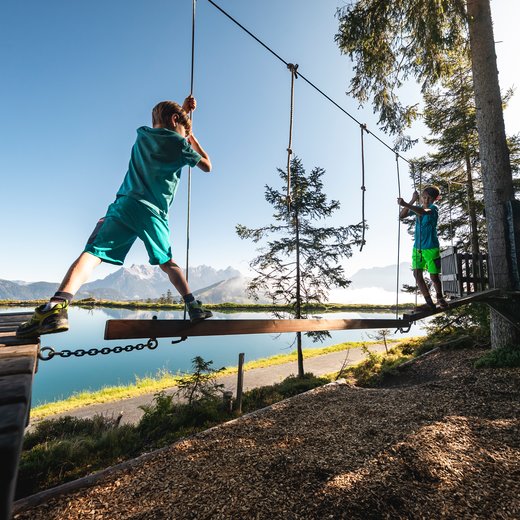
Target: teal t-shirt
[
  {"x": 426, "y": 229},
  {"x": 154, "y": 171}
]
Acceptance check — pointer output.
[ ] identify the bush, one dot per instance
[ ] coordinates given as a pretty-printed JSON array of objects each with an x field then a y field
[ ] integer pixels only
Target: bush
[
  {"x": 291, "y": 386},
  {"x": 506, "y": 357}
]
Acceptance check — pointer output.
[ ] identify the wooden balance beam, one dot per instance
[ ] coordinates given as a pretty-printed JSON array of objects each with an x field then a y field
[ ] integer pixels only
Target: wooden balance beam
[{"x": 133, "y": 329}]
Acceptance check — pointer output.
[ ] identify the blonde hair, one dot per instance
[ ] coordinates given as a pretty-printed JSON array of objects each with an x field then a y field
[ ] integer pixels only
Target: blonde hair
[{"x": 162, "y": 115}]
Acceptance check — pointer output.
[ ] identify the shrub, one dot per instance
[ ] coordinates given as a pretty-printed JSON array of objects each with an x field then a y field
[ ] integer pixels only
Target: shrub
[{"x": 506, "y": 357}]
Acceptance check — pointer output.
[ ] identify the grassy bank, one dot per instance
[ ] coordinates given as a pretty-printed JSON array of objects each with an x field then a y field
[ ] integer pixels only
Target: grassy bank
[
  {"x": 221, "y": 307},
  {"x": 163, "y": 380}
]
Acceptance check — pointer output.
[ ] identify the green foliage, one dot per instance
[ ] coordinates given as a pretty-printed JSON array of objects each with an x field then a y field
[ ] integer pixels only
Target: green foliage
[
  {"x": 472, "y": 320},
  {"x": 201, "y": 383},
  {"x": 391, "y": 42},
  {"x": 165, "y": 421},
  {"x": 504, "y": 357},
  {"x": 65, "y": 449},
  {"x": 300, "y": 261}
]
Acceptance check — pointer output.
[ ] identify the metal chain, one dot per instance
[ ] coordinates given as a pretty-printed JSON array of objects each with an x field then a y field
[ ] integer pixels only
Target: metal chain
[{"x": 47, "y": 353}]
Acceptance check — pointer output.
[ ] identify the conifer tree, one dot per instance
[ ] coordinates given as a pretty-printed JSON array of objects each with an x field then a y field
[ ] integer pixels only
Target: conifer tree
[
  {"x": 299, "y": 263},
  {"x": 391, "y": 42}
]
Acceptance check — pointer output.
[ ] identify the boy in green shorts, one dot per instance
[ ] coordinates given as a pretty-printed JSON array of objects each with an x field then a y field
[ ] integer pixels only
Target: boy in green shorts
[
  {"x": 139, "y": 211},
  {"x": 426, "y": 252}
]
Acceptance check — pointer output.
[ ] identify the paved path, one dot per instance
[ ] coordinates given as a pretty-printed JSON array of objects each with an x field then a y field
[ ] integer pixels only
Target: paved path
[{"x": 253, "y": 378}]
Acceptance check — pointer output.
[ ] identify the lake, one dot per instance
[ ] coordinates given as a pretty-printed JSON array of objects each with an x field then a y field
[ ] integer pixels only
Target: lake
[{"x": 61, "y": 377}]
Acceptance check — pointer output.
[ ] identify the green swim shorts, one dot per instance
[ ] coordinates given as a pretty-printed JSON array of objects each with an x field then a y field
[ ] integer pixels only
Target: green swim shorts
[
  {"x": 429, "y": 259},
  {"x": 126, "y": 220}
]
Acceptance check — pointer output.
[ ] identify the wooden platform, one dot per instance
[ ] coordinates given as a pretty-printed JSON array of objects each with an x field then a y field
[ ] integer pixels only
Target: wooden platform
[
  {"x": 470, "y": 298},
  {"x": 133, "y": 329},
  {"x": 18, "y": 363}
]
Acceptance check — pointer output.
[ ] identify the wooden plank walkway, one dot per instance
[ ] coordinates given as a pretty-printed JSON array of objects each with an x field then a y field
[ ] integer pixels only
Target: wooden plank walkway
[
  {"x": 133, "y": 329},
  {"x": 18, "y": 364}
]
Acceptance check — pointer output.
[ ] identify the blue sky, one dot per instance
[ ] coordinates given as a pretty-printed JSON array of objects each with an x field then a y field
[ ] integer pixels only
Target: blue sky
[{"x": 78, "y": 78}]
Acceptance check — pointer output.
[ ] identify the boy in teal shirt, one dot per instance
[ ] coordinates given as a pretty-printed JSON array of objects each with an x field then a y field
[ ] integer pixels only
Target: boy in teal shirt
[
  {"x": 139, "y": 211},
  {"x": 426, "y": 252}
]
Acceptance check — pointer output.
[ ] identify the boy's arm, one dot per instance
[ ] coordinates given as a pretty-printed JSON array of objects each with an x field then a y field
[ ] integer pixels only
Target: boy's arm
[
  {"x": 409, "y": 206},
  {"x": 205, "y": 163}
]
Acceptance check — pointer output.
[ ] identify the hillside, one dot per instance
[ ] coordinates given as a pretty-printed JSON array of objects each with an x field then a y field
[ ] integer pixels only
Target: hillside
[{"x": 439, "y": 440}]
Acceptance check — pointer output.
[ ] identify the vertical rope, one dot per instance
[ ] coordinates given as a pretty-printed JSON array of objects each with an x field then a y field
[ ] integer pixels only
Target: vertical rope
[
  {"x": 363, "y": 187},
  {"x": 414, "y": 189},
  {"x": 398, "y": 237},
  {"x": 192, "y": 75},
  {"x": 294, "y": 75}
]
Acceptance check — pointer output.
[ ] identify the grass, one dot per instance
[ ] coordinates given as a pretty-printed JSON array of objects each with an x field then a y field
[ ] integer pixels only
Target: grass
[{"x": 164, "y": 379}]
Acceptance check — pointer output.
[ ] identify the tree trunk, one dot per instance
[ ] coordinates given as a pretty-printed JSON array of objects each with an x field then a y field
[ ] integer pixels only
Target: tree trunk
[
  {"x": 301, "y": 372},
  {"x": 494, "y": 155}
]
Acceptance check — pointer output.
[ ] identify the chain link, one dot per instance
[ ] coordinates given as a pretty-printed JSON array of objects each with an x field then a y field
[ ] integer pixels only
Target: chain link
[{"x": 47, "y": 353}]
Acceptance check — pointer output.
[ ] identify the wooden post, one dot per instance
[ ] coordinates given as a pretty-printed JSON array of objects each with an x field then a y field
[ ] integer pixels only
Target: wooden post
[
  {"x": 240, "y": 382},
  {"x": 227, "y": 401}
]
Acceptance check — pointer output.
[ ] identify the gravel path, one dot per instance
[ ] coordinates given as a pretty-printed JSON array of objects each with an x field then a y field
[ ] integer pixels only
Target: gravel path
[
  {"x": 254, "y": 378},
  {"x": 448, "y": 447}
]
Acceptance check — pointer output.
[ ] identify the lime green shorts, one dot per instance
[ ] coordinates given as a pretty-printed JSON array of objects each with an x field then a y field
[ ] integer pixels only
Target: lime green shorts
[
  {"x": 126, "y": 220},
  {"x": 429, "y": 259}
]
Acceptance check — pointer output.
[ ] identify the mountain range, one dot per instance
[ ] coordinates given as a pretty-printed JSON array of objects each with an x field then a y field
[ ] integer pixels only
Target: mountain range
[{"x": 140, "y": 282}]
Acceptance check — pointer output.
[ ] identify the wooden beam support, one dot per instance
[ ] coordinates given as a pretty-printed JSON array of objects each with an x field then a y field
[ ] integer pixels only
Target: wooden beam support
[
  {"x": 18, "y": 362},
  {"x": 470, "y": 298},
  {"x": 133, "y": 329}
]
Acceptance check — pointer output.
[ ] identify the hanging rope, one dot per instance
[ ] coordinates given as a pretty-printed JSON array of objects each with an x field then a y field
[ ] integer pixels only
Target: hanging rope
[
  {"x": 294, "y": 75},
  {"x": 415, "y": 189},
  {"x": 363, "y": 188},
  {"x": 188, "y": 218},
  {"x": 398, "y": 236}
]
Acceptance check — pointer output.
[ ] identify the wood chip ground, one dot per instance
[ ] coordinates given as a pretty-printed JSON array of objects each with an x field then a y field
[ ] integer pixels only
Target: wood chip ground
[{"x": 442, "y": 440}]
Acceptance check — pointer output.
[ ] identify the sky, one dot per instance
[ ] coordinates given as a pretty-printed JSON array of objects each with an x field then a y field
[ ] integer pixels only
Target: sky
[{"x": 78, "y": 79}]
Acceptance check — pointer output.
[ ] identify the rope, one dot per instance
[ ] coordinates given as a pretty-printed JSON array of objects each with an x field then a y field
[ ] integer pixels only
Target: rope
[
  {"x": 188, "y": 217},
  {"x": 363, "y": 187},
  {"x": 398, "y": 236},
  {"x": 310, "y": 83},
  {"x": 294, "y": 75},
  {"x": 415, "y": 189}
]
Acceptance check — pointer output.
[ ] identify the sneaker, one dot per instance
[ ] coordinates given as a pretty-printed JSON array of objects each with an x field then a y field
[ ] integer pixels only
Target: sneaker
[
  {"x": 428, "y": 306},
  {"x": 197, "y": 312},
  {"x": 442, "y": 303},
  {"x": 45, "y": 321}
]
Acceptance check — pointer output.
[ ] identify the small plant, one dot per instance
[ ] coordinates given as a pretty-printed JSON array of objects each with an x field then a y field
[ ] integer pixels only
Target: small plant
[
  {"x": 381, "y": 335},
  {"x": 202, "y": 383},
  {"x": 506, "y": 357}
]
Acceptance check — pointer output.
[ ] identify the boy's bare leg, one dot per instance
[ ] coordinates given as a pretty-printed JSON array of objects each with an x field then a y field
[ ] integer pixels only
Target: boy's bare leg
[
  {"x": 79, "y": 272},
  {"x": 176, "y": 277},
  {"x": 436, "y": 280},
  {"x": 418, "y": 275}
]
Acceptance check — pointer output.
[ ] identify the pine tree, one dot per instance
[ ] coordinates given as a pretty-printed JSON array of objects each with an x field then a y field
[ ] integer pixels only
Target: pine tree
[
  {"x": 391, "y": 42},
  {"x": 300, "y": 262}
]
